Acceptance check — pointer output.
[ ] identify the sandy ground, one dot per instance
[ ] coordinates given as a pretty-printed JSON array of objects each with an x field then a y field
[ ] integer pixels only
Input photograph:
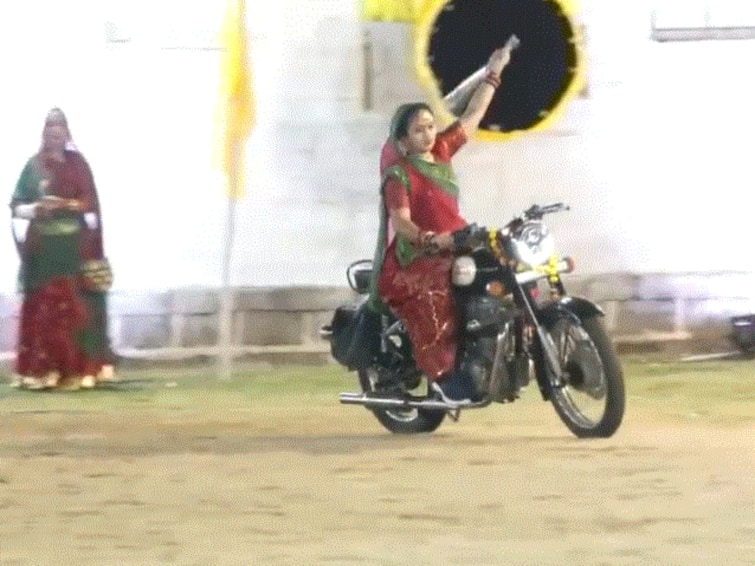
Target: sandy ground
[{"x": 508, "y": 485}]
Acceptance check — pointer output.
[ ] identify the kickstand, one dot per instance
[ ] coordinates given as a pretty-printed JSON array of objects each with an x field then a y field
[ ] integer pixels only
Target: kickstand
[{"x": 454, "y": 414}]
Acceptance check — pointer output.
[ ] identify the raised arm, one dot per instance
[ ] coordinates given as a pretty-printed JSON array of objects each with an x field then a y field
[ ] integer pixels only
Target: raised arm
[{"x": 478, "y": 105}]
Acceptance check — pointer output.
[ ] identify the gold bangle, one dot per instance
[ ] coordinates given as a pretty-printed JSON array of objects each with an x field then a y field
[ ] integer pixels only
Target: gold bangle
[{"x": 428, "y": 245}]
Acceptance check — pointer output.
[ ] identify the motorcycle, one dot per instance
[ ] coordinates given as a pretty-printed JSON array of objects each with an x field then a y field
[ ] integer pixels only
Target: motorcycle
[{"x": 516, "y": 324}]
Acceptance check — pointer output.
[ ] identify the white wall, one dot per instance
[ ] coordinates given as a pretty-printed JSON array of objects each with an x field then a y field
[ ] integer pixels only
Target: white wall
[{"x": 655, "y": 162}]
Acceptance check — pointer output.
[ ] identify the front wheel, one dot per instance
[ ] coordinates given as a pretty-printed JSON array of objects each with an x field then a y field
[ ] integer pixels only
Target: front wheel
[
  {"x": 591, "y": 399},
  {"x": 400, "y": 421}
]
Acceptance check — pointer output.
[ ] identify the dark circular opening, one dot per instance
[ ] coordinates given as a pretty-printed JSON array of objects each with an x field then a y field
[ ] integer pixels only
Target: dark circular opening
[{"x": 467, "y": 31}]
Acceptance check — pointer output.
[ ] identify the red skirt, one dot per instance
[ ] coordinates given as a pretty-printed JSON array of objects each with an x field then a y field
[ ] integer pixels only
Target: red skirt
[
  {"x": 420, "y": 295},
  {"x": 51, "y": 319}
]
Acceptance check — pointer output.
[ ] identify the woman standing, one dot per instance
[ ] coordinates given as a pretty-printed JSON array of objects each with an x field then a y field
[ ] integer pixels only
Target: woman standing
[
  {"x": 61, "y": 336},
  {"x": 96, "y": 276},
  {"x": 420, "y": 212}
]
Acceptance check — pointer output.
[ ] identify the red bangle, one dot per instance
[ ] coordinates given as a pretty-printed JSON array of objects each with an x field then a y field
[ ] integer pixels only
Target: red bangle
[{"x": 493, "y": 80}]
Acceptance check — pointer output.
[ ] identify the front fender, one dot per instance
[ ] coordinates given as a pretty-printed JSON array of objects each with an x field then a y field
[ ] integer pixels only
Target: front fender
[{"x": 582, "y": 308}]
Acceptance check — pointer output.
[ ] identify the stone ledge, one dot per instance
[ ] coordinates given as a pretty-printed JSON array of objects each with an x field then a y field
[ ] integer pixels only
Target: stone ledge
[
  {"x": 736, "y": 285},
  {"x": 207, "y": 301},
  {"x": 643, "y": 311},
  {"x": 292, "y": 299}
]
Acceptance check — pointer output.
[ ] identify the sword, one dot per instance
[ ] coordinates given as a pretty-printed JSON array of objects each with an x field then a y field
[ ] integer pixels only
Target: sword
[{"x": 457, "y": 100}]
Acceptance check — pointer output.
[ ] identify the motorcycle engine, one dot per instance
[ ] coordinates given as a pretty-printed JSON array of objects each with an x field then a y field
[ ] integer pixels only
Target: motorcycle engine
[
  {"x": 477, "y": 362},
  {"x": 484, "y": 316}
]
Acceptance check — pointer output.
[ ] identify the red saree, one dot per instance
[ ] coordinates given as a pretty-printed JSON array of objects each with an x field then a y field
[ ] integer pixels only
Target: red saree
[
  {"x": 417, "y": 287},
  {"x": 57, "y": 319}
]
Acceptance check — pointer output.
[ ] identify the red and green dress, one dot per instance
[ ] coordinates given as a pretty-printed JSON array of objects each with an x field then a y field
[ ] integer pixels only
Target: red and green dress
[
  {"x": 63, "y": 326},
  {"x": 416, "y": 286}
]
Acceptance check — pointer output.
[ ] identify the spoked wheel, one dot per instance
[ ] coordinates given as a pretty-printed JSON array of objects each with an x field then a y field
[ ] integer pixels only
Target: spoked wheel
[
  {"x": 399, "y": 420},
  {"x": 591, "y": 400}
]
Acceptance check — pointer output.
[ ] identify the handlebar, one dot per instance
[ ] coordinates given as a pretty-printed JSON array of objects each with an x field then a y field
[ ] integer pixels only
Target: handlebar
[
  {"x": 473, "y": 235},
  {"x": 536, "y": 212}
]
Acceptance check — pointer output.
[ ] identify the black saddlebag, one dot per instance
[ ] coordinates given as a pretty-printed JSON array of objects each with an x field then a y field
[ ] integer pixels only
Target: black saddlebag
[{"x": 355, "y": 338}]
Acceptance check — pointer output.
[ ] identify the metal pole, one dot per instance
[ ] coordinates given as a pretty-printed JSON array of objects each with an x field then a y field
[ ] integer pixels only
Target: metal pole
[
  {"x": 225, "y": 318},
  {"x": 368, "y": 71}
]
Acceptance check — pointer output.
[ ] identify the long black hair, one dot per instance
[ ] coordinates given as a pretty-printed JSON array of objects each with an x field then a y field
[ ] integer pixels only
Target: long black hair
[{"x": 403, "y": 117}]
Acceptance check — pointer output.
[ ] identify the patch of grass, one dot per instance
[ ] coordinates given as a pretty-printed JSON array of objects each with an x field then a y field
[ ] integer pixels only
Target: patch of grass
[
  {"x": 178, "y": 389},
  {"x": 721, "y": 392}
]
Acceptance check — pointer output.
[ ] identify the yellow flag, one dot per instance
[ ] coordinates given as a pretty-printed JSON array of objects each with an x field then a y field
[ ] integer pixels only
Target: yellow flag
[
  {"x": 236, "y": 102},
  {"x": 392, "y": 10}
]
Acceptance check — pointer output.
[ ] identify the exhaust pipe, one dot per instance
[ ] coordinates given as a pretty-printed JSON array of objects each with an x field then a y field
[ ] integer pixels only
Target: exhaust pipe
[{"x": 392, "y": 402}]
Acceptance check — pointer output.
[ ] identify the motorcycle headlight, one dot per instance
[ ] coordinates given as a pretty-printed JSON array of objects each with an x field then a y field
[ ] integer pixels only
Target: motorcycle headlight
[
  {"x": 464, "y": 271},
  {"x": 533, "y": 244}
]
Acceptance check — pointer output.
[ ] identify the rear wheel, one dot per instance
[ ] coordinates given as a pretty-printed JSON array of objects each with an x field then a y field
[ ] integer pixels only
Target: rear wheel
[
  {"x": 401, "y": 421},
  {"x": 591, "y": 399}
]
